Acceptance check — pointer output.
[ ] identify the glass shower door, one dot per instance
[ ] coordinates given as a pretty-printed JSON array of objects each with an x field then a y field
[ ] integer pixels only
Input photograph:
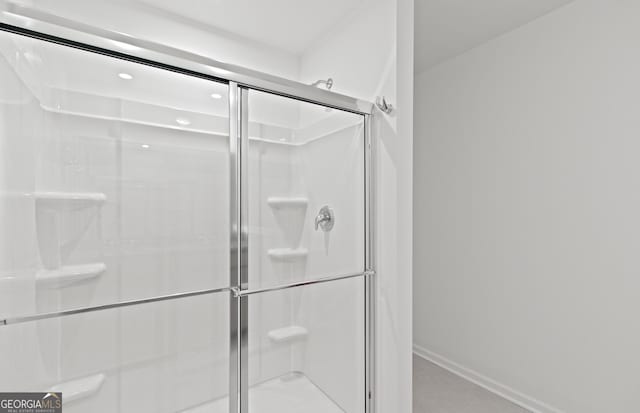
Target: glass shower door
[
  {"x": 305, "y": 223},
  {"x": 114, "y": 190}
]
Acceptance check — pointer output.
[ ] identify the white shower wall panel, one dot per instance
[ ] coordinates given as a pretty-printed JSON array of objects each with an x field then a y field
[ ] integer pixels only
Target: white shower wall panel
[
  {"x": 333, "y": 170},
  {"x": 76, "y": 155},
  {"x": 175, "y": 211},
  {"x": 18, "y": 244},
  {"x": 270, "y": 174}
]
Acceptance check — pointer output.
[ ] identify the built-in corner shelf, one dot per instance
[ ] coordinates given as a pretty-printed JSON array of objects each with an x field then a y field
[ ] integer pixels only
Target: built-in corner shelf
[
  {"x": 287, "y": 254},
  {"x": 79, "y": 388},
  {"x": 70, "y": 199},
  {"x": 279, "y": 202},
  {"x": 286, "y": 334},
  {"x": 69, "y": 274}
]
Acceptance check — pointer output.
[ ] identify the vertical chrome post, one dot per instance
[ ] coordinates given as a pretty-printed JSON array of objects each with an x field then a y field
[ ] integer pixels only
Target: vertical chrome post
[
  {"x": 239, "y": 266},
  {"x": 234, "y": 248},
  {"x": 238, "y": 148},
  {"x": 243, "y": 302},
  {"x": 370, "y": 281}
]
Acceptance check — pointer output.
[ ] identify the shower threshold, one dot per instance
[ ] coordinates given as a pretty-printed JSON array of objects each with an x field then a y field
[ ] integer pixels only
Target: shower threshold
[{"x": 289, "y": 393}]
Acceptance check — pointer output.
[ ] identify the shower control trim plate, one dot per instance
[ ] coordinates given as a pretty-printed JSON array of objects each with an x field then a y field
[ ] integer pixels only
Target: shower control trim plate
[{"x": 325, "y": 219}]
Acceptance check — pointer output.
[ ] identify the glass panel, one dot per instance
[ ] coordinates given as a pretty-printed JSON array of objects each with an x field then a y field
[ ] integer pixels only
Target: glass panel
[
  {"x": 113, "y": 179},
  {"x": 306, "y": 349},
  {"x": 169, "y": 356},
  {"x": 303, "y": 157}
]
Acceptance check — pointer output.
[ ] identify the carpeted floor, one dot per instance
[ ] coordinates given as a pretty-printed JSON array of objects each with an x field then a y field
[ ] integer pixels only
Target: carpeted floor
[{"x": 435, "y": 390}]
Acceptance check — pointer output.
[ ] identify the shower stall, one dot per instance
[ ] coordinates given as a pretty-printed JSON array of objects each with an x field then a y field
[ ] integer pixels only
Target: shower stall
[{"x": 180, "y": 235}]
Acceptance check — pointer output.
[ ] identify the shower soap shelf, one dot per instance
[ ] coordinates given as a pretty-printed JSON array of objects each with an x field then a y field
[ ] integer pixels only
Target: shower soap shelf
[
  {"x": 69, "y": 274},
  {"x": 278, "y": 202},
  {"x": 70, "y": 199},
  {"x": 287, "y": 254},
  {"x": 285, "y": 334},
  {"x": 79, "y": 388}
]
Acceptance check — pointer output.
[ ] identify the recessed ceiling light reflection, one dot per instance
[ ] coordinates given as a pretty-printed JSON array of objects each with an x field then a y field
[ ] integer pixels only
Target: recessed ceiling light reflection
[
  {"x": 216, "y": 95},
  {"x": 124, "y": 46},
  {"x": 183, "y": 121},
  {"x": 125, "y": 76},
  {"x": 219, "y": 71},
  {"x": 145, "y": 146}
]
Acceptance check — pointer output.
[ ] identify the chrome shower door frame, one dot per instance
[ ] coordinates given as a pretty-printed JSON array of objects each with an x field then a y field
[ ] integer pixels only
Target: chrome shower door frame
[
  {"x": 239, "y": 252},
  {"x": 240, "y": 81}
]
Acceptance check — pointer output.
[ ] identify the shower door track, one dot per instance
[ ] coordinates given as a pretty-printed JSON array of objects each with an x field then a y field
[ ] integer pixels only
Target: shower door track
[
  {"x": 240, "y": 80},
  {"x": 98, "y": 40}
]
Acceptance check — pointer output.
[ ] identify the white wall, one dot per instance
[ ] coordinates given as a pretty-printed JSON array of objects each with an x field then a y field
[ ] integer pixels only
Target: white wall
[
  {"x": 356, "y": 56},
  {"x": 526, "y": 210},
  {"x": 372, "y": 54}
]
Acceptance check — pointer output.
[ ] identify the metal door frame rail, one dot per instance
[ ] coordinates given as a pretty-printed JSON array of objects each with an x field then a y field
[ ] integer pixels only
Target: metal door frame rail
[
  {"x": 83, "y": 310},
  {"x": 235, "y": 368},
  {"x": 369, "y": 265},
  {"x": 238, "y": 293},
  {"x": 239, "y": 348}
]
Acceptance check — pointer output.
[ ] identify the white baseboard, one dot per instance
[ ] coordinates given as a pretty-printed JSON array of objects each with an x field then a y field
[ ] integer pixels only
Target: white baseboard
[{"x": 506, "y": 392}]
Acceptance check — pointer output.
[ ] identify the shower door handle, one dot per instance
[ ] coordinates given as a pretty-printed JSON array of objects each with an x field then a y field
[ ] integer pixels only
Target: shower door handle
[{"x": 325, "y": 219}]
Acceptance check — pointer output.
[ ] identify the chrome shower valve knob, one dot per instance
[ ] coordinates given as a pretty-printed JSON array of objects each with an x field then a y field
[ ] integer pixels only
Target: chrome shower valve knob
[{"x": 325, "y": 219}]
